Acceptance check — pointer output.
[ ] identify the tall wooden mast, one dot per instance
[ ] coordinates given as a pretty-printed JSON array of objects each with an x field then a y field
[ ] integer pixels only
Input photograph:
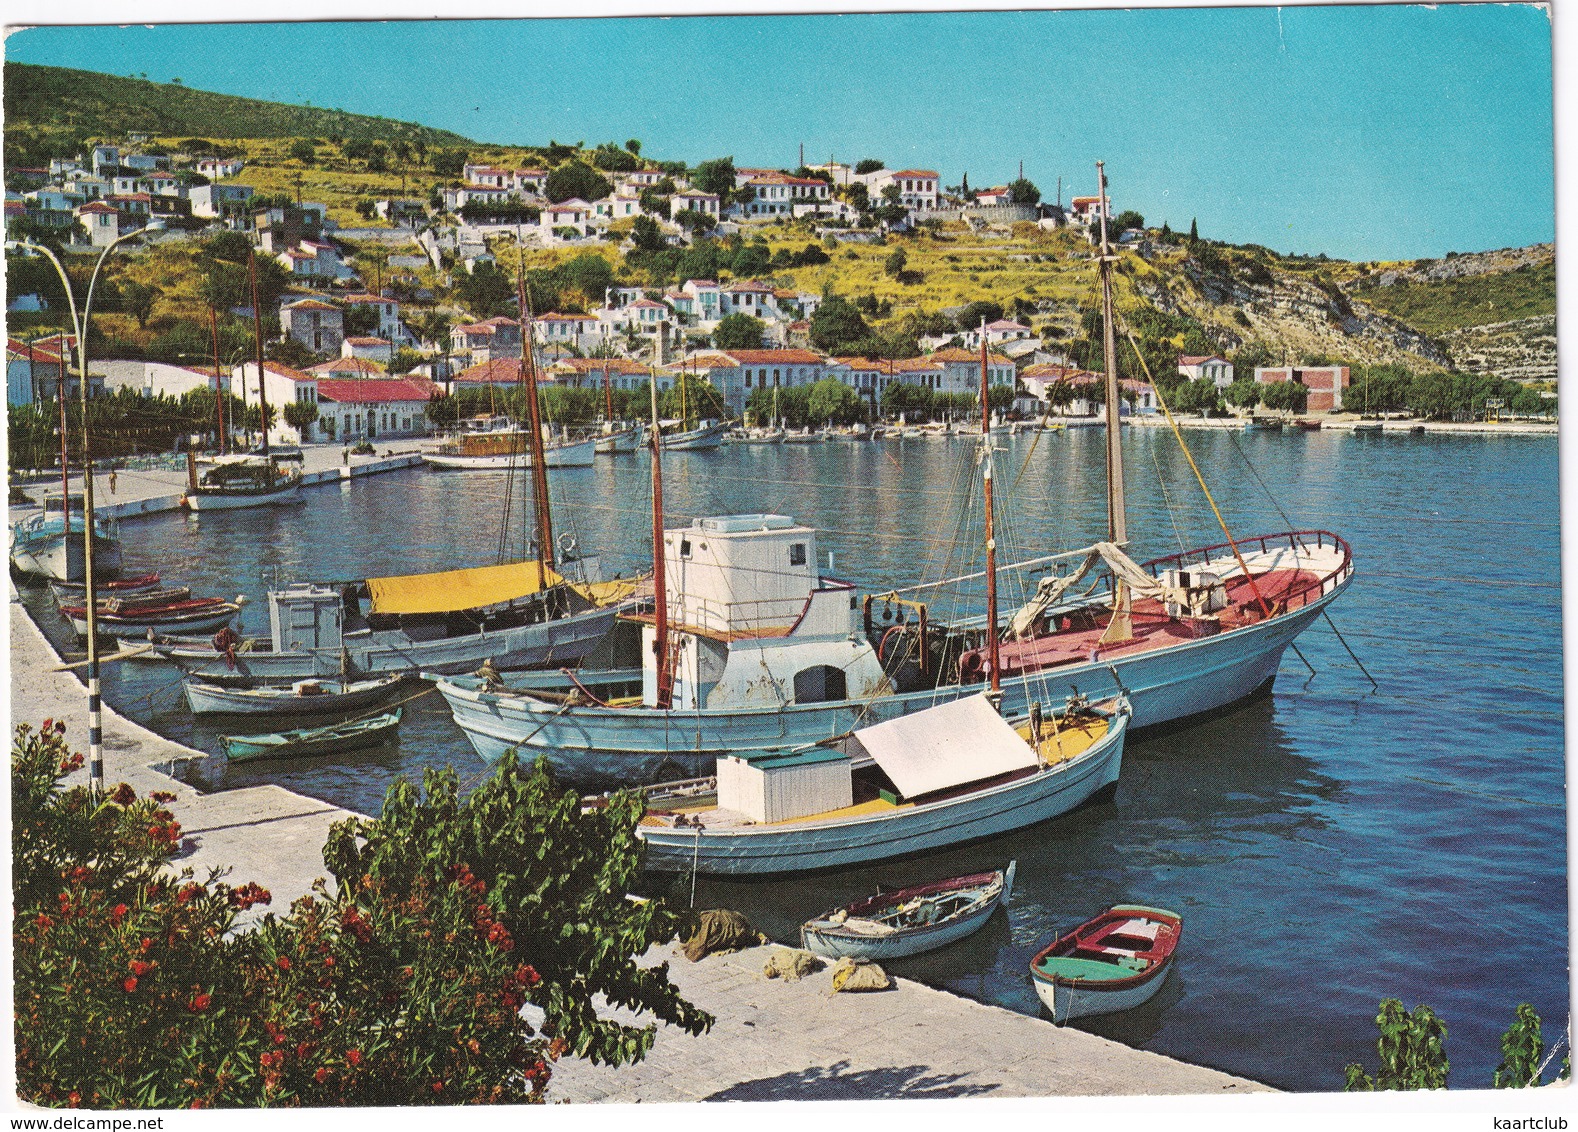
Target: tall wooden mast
[
  {"x": 219, "y": 389},
  {"x": 257, "y": 334},
  {"x": 1121, "y": 628},
  {"x": 665, "y": 671},
  {"x": 539, "y": 470},
  {"x": 991, "y": 540}
]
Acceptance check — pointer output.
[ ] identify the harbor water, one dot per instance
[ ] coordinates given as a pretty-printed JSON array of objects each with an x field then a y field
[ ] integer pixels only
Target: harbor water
[{"x": 1328, "y": 844}]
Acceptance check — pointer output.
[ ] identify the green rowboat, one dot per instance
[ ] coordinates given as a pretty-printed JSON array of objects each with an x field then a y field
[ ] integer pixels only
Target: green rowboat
[{"x": 308, "y": 741}]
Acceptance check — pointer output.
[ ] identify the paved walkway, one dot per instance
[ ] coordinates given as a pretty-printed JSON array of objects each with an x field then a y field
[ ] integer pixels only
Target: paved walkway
[
  {"x": 147, "y": 492},
  {"x": 772, "y": 1041},
  {"x": 777, "y": 1041},
  {"x": 269, "y": 835}
]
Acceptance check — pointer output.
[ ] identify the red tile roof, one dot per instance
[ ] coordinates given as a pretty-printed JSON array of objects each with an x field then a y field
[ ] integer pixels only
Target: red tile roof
[
  {"x": 30, "y": 353},
  {"x": 956, "y": 354},
  {"x": 916, "y": 173},
  {"x": 590, "y": 365},
  {"x": 1196, "y": 359},
  {"x": 349, "y": 365},
  {"x": 775, "y": 357},
  {"x": 98, "y": 206},
  {"x": 359, "y": 391},
  {"x": 368, "y": 341},
  {"x": 494, "y": 370}
]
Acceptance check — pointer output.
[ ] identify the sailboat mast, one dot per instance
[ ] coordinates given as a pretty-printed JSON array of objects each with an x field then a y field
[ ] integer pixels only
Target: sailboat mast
[
  {"x": 219, "y": 390},
  {"x": 608, "y": 393},
  {"x": 1117, "y": 523},
  {"x": 991, "y": 540},
  {"x": 257, "y": 335},
  {"x": 665, "y": 675},
  {"x": 539, "y": 470}
]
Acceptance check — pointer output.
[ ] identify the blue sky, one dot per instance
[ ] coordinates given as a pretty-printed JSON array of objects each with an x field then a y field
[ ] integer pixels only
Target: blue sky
[{"x": 1367, "y": 132}]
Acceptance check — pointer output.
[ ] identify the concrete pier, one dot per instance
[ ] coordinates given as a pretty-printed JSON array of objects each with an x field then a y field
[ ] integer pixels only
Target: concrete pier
[
  {"x": 147, "y": 492},
  {"x": 772, "y": 1041}
]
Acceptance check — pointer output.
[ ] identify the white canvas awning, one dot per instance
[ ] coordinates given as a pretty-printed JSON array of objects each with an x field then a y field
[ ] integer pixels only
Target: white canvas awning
[{"x": 952, "y": 744}]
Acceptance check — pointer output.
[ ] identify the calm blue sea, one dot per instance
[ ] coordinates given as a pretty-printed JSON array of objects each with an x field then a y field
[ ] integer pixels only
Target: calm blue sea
[{"x": 1328, "y": 845}]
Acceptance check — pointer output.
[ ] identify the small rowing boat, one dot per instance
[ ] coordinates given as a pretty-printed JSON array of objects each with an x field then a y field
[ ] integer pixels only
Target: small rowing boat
[
  {"x": 141, "y": 583},
  {"x": 131, "y": 617},
  {"x": 308, "y": 741},
  {"x": 1113, "y": 962},
  {"x": 304, "y": 697},
  {"x": 911, "y": 920}
]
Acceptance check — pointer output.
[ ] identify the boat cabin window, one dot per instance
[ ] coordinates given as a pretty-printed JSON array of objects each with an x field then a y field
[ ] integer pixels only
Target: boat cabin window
[
  {"x": 797, "y": 554},
  {"x": 684, "y": 548},
  {"x": 819, "y": 684}
]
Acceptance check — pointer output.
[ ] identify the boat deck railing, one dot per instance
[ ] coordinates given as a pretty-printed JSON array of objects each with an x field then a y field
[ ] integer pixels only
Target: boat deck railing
[{"x": 1297, "y": 596}]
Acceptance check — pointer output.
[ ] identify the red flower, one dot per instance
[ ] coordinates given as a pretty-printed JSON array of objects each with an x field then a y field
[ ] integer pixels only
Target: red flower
[
  {"x": 328, "y": 960},
  {"x": 140, "y": 968},
  {"x": 124, "y": 795},
  {"x": 199, "y": 1003},
  {"x": 162, "y": 796},
  {"x": 283, "y": 962},
  {"x": 354, "y": 1056},
  {"x": 75, "y": 1098},
  {"x": 43, "y": 921},
  {"x": 81, "y": 873},
  {"x": 438, "y": 1086},
  {"x": 48, "y": 724},
  {"x": 130, "y": 984},
  {"x": 321, "y": 1075},
  {"x": 187, "y": 892},
  {"x": 117, "y": 913}
]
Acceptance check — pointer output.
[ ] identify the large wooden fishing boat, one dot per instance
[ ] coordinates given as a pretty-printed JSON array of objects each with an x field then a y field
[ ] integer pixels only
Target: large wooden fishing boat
[
  {"x": 48, "y": 545},
  {"x": 951, "y": 774},
  {"x": 243, "y": 481},
  {"x": 502, "y": 446}
]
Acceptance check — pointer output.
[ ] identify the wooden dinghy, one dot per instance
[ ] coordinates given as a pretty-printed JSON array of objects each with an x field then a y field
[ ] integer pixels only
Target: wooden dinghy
[
  {"x": 1115, "y": 961},
  {"x": 911, "y": 920},
  {"x": 304, "y": 697},
  {"x": 137, "y": 615},
  {"x": 306, "y": 742},
  {"x": 76, "y": 591}
]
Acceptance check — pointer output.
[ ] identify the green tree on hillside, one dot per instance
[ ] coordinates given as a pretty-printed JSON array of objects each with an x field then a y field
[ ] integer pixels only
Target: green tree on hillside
[
  {"x": 739, "y": 332},
  {"x": 303, "y": 150},
  {"x": 576, "y": 179},
  {"x": 1022, "y": 191},
  {"x": 715, "y": 176},
  {"x": 836, "y": 326}
]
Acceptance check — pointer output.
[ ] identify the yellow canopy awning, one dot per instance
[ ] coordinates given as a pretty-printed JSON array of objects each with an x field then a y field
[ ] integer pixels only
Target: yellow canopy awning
[
  {"x": 604, "y": 594},
  {"x": 451, "y": 590}
]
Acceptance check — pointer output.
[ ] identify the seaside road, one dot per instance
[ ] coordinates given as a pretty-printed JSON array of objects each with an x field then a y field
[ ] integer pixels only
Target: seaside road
[
  {"x": 778, "y": 1041},
  {"x": 264, "y": 834}
]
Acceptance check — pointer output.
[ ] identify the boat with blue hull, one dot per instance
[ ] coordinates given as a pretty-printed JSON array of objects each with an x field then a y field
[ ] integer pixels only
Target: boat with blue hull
[
  {"x": 48, "y": 544},
  {"x": 761, "y": 700},
  {"x": 909, "y": 921},
  {"x": 956, "y": 774}
]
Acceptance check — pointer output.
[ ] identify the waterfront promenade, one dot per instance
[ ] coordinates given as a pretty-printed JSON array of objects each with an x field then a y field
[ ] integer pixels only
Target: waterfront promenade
[
  {"x": 141, "y": 491},
  {"x": 772, "y": 1041}
]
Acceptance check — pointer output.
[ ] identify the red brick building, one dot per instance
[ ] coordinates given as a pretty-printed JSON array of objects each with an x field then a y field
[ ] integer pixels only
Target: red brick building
[{"x": 1325, "y": 383}]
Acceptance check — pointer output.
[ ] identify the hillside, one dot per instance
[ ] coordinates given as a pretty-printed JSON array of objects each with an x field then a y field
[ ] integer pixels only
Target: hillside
[
  {"x": 43, "y": 102},
  {"x": 1487, "y": 312}
]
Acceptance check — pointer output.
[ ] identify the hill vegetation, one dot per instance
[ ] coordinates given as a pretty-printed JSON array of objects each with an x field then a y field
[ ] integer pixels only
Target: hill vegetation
[
  {"x": 52, "y": 111},
  {"x": 1489, "y": 312}
]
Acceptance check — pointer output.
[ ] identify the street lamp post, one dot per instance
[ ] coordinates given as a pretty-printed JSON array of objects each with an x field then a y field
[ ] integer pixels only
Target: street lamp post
[{"x": 90, "y": 595}]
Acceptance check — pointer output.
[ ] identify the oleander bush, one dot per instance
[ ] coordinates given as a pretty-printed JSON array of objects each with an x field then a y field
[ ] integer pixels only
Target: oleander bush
[{"x": 402, "y": 982}]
